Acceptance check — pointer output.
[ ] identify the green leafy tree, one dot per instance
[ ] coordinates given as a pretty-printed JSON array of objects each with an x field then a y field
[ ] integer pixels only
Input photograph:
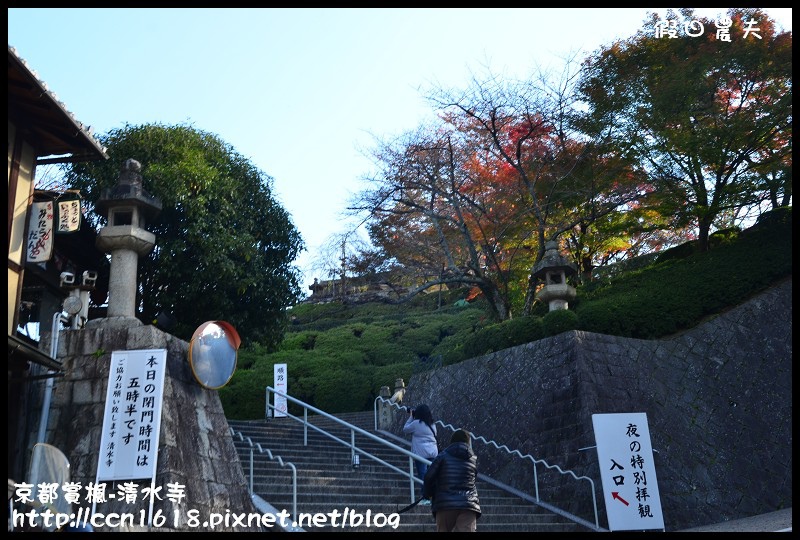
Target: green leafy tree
[
  {"x": 709, "y": 119},
  {"x": 224, "y": 245}
]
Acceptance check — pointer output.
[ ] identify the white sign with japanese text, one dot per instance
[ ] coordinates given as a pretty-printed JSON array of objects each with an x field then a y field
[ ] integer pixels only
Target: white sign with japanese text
[
  {"x": 39, "y": 244},
  {"x": 69, "y": 215},
  {"x": 132, "y": 419},
  {"x": 627, "y": 471},
  {"x": 280, "y": 386}
]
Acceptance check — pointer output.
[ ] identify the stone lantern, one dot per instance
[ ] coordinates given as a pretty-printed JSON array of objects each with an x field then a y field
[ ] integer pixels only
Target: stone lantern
[
  {"x": 554, "y": 269},
  {"x": 126, "y": 206}
]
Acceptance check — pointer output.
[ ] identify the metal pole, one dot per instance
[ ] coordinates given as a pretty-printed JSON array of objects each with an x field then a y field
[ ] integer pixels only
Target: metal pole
[
  {"x": 411, "y": 470},
  {"x": 48, "y": 389}
]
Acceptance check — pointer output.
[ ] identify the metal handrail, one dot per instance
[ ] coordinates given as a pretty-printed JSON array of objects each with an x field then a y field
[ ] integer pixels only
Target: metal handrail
[
  {"x": 352, "y": 444},
  {"x": 508, "y": 450},
  {"x": 280, "y": 461},
  {"x": 414, "y": 457}
]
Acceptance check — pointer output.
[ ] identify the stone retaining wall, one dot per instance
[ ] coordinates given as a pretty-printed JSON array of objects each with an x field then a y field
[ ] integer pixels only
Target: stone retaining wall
[{"x": 718, "y": 400}]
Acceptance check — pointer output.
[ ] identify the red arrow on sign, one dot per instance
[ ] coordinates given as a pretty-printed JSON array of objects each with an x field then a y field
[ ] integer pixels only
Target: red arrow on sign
[{"x": 615, "y": 495}]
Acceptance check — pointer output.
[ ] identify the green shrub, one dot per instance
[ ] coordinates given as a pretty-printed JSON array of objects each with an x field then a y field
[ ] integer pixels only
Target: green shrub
[
  {"x": 345, "y": 337},
  {"x": 422, "y": 338},
  {"x": 450, "y": 349},
  {"x": 485, "y": 340},
  {"x": 776, "y": 219},
  {"x": 387, "y": 353},
  {"x": 299, "y": 341},
  {"x": 677, "y": 294},
  {"x": 523, "y": 330},
  {"x": 386, "y": 376},
  {"x": 310, "y": 313},
  {"x": 344, "y": 390},
  {"x": 723, "y": 237},
  {"x": 681, "y": 251},
  {"x": 539, "y": 309},
  {"x": 243, "y": 398},
  {"x": 601, "y": 318},
  {"x": 558, "y": 321}
]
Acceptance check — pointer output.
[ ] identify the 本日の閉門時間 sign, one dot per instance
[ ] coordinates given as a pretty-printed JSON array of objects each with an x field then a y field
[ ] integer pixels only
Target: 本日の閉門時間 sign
[{"x": 132, "y": 420}]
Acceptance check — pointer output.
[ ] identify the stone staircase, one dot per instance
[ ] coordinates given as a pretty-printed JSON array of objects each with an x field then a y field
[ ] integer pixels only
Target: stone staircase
[{"x": 327, "y": 481}]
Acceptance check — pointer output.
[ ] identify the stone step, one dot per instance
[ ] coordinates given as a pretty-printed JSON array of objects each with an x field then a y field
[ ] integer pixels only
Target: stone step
[
  {"x": 309, "y": 495},
  {"x": 327, "y": 482}
]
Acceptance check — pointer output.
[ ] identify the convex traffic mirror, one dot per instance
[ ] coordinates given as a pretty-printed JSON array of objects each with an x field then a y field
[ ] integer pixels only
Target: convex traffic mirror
[{"x": 212, "y": 353}]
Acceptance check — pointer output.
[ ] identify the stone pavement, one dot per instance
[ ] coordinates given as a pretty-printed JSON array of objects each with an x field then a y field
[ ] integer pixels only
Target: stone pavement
[{"x": 780, "y": 521}]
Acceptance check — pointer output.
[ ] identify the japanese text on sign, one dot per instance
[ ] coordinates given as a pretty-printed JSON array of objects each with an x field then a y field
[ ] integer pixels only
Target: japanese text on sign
[
  {"x": 39, "y": 244},
  {"x": 69, "y": 215},
  {"x": 628, "y": 471},
  {"x": 280, "y": 386},
  {"x": 132, "y": 420}
]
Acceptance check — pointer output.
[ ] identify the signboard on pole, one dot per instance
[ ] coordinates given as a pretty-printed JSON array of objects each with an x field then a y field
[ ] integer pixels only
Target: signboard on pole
[
  {"x": 627, "y": 471},
  {"x": 280, "y": 386},
  {"x": 132, "y": 418}
]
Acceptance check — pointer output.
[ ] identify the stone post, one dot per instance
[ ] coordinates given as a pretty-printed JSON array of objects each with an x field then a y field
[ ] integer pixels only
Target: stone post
[
  {"x": 385, "y": 410},
  {"x": 399, "y": 391}
]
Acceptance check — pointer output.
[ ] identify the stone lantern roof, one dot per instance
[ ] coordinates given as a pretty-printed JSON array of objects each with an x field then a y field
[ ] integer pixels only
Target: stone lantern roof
[
  {"x": 128, "y": 192},
  {"x": 553, "y": 261}
]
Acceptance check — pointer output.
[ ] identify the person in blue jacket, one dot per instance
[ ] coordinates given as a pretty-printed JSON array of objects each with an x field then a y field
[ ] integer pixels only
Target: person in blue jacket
[
  {"x": 450, "y": 483},
  {"x": 423, "y": 439}
]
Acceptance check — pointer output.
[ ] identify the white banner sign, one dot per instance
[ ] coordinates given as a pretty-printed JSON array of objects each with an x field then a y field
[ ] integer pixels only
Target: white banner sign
[
  {"x": 39, "y": 245},
  {"x": 280, "y": 386},
  {"x": 69, "y": 215},
  {"x": 628, "y": 472},
  {"x": 132, "y": 420}
]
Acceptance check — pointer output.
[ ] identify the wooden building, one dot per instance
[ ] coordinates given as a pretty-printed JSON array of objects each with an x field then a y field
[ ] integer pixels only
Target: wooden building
[{"x": 41, "y": 263}]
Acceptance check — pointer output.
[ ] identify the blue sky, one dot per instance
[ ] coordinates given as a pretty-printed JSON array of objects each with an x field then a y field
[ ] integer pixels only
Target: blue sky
[{"x": 301, "y": 92}]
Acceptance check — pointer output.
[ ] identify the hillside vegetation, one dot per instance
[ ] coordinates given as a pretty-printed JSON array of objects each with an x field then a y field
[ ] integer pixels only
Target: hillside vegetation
[{"x": 339, "y": 355}]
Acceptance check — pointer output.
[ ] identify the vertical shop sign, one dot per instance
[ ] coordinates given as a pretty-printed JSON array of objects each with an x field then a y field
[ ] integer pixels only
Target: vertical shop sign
[{"x": 39, "y": 244}]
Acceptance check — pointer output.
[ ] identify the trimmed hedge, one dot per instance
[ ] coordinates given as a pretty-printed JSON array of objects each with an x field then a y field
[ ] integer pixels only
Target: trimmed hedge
[{"x": 558, "y": 321}]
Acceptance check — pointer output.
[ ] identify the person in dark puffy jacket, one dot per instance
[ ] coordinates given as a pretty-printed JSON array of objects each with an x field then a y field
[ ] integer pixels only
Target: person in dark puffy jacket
[{"x": 450, "y": 483}]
